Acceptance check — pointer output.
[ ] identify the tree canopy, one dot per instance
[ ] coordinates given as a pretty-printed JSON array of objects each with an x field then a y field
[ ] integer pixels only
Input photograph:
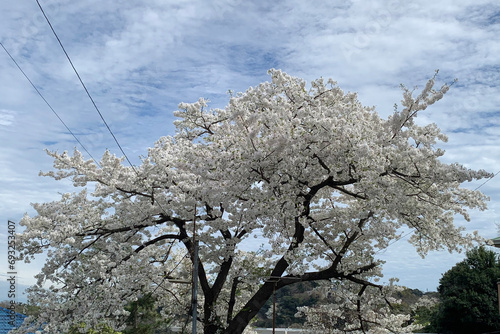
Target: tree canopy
[
  {"x": 469, "y": 297},
  {"x": 323, "y": 179}
]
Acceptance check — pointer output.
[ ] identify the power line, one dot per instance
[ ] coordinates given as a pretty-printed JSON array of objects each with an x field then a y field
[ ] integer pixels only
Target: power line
[
  {"x": 93, "y": 102},
  {"x": 91, "y": 99},
  {"x": 48, "y": 104},
  {"x": 394, "y": 241},
  {"x": 85, "y": 87},
  {"x": 488, "y": 180},
  {"x": 60, "y": 119}
]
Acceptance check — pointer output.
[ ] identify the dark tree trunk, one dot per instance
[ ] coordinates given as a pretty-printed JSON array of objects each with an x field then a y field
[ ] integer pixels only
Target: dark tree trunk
[
  {"x": 211, "y": 329},
  {"x": 250, "y": 310},
  {"x": 232, "y": 299}
]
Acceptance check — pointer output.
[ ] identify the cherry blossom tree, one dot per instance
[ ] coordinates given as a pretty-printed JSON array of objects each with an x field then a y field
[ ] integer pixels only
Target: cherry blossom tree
[{"x": 323, "y": 179}]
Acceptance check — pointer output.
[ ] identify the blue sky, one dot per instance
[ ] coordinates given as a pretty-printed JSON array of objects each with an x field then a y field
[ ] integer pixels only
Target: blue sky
[{"x": 139, "y": 59}]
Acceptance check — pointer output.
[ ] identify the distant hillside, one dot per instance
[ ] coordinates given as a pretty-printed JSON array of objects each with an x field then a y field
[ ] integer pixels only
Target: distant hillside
[
  {"x": 303, "y": 294},
  {"x": 287, "y": 301}
]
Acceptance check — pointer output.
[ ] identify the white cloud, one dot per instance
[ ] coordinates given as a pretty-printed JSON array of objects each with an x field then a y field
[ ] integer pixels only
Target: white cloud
[{"x": 6, "y": 118}]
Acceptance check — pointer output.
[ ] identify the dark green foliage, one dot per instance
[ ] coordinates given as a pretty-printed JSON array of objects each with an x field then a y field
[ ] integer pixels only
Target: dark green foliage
[
  {"x": 144, "y": 317},
  {"x": 469, "y": 297},
  {"x": 425, "y": 316}
]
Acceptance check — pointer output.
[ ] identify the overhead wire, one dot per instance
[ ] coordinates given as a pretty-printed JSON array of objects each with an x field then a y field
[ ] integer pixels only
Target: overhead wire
[
  {"x": 85, "y": 88},
  {"x": 60, "y": 119},
  {"x": 488, "y": 180},
  {"x": 92, "y": 100},
  {"x": 48, "y": 104}
]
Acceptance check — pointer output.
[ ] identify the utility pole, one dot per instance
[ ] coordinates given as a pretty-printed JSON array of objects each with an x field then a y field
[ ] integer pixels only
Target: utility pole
[
  {"x": 194, "y": 303},
  {"x": 498, "y": 288},
  {"x": 195, "y": 286},
  {"x": 274, "y": 308},
  {"x": 275, "y": 280},
  {"x": 194, "y": 278}
]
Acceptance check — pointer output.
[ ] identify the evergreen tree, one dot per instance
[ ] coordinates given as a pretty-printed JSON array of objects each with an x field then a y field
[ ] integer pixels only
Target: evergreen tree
[{"x": 469, "y": 299}]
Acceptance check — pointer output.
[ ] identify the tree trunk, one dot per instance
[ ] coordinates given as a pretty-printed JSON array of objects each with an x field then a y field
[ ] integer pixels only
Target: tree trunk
[
  {"x": 211, "y": 329},
  {"x": 248, "y": 312},
  {"x": 252, "y": 307}
]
